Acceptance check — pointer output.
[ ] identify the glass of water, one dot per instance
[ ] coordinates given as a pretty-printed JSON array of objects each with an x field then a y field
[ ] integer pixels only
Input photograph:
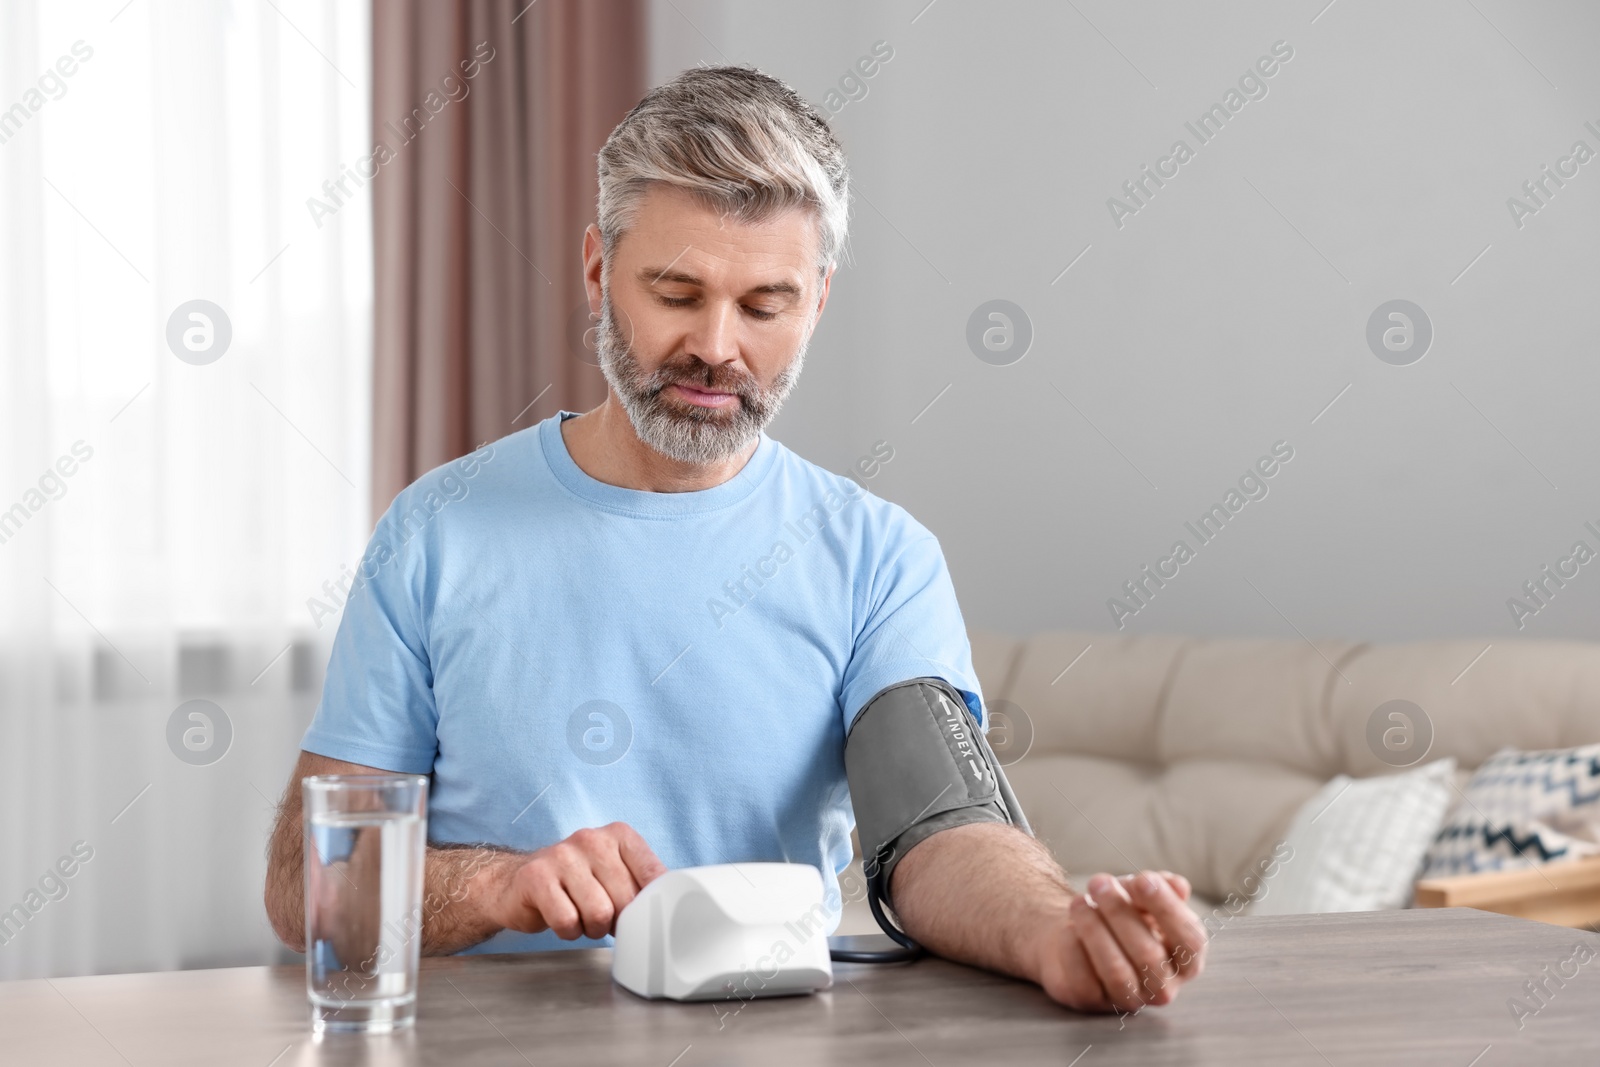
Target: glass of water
[{"x": 366, "y": 837}]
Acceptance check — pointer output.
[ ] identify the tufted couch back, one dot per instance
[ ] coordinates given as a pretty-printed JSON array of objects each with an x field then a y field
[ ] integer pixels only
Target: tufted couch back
[{"x": 1193, "y": 755}]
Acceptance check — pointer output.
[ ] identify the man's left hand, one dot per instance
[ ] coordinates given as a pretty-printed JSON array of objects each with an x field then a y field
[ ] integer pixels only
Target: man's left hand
[{"x": 1126, "y": 943}]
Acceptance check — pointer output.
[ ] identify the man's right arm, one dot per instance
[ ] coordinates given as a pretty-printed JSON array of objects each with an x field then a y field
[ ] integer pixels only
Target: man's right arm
[{"x": 575, "y": 887}]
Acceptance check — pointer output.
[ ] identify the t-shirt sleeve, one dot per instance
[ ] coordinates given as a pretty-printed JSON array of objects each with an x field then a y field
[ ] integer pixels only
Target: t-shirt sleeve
[
  {"x": 377, "y": 706},
  {"x": 912, "y": 629}
]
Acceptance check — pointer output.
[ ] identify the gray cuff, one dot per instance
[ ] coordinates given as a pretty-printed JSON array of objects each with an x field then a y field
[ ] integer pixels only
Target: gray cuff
[{"x": 917, "y": 763}]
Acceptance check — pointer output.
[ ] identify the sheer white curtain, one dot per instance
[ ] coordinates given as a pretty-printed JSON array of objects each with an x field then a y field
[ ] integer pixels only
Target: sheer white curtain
[{"x": 166, "y": 513}]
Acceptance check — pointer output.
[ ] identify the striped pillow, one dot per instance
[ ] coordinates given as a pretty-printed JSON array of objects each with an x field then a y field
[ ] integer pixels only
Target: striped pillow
[{"x": 1521, "y": 809}]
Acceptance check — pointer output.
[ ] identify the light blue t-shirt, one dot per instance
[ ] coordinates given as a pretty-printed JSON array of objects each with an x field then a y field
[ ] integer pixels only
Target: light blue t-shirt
[{"x": 560, "y": 653}]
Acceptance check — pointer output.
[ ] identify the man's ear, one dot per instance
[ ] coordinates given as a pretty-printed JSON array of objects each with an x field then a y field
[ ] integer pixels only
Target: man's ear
[
  {"x": 593, "y": 262},
  {"x": 822, "y": 298}
]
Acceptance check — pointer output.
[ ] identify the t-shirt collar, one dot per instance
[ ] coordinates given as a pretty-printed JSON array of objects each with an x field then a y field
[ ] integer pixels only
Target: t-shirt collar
[{"x": 642, "y": 502}]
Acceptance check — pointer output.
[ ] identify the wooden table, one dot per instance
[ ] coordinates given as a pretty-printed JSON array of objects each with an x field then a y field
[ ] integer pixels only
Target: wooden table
[{"x": 1414, "y": 987}]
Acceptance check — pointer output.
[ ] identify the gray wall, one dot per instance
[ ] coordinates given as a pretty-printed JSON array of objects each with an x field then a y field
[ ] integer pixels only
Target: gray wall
[{"x": 1222, "y": 317}]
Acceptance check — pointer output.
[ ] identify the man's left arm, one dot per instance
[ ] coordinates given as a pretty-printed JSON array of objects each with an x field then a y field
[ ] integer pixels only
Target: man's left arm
[
  {"x": 989, "y": 895},
  {"x": 945, "y": 842},
  {"x": 946, "y": 845}
]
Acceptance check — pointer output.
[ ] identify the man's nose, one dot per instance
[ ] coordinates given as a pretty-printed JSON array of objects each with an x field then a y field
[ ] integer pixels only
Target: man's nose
[{"x": 714, "y": 338}]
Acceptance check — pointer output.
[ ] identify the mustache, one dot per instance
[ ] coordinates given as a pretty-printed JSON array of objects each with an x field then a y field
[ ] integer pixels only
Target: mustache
[{"x": 702, "y": 375}]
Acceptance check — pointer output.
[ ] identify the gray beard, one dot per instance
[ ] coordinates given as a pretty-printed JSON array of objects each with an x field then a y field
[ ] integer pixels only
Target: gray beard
[{"x": 688, "y": 434}]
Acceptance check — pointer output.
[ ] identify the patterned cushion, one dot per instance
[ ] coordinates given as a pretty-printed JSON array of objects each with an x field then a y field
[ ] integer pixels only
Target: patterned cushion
[{"x": 1519, "y": 810}]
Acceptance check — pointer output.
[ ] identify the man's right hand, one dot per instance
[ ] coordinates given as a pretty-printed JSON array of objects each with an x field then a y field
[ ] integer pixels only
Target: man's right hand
[{"x": 576, "y": 887}]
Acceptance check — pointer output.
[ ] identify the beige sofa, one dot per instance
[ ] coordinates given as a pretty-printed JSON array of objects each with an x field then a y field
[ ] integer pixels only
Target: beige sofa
[{"x": 1193, "y": 755}]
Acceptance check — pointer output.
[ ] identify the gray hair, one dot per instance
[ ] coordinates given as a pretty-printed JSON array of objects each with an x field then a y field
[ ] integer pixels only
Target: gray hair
[{"x": 744, "y": 143}]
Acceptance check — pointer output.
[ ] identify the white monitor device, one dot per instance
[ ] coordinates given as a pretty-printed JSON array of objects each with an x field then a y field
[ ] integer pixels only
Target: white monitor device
[{"x": 731, "y": 931}]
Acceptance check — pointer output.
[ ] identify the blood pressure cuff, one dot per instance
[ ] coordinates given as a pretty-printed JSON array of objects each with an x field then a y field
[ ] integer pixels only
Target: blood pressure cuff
[{"x": 917, "y": 763}]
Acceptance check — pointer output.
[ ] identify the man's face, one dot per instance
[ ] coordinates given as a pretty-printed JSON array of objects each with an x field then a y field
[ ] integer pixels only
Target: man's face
[{"x": 705, "y": 322}]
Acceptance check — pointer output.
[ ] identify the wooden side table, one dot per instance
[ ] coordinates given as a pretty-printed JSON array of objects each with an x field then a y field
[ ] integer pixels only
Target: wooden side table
[{"x": 1565, "y": 893}]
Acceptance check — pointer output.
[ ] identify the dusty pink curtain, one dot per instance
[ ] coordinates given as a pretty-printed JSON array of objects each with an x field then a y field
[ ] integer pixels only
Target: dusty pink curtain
[{"x": 492, "y": 111}]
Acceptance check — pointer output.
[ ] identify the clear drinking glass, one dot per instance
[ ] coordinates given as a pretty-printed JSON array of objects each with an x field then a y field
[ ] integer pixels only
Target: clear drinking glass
[{"x": 365, "y": 840}]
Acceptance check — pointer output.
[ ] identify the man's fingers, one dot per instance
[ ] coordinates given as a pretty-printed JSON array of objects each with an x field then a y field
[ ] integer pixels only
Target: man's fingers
[
  {"x": 539, "y": 903},
  {"x": 1138, "y": 936},
  {"x": 558, "y": 912},
  {"x": 1180, "y": 884},
  {"x": 576, "y": 896},
  {"x": 596, "y": 912},
  {"x": 1181, "y": 930},
  {"x": 1146, "y": 951},
  {"x": 1081, "y": 989},
  {"x": 641, "y": 861},
  {"x": 599, "y": 852},
  {"x": 616, "y": 879},
  {"x": 577, "y": 886},
  {"x": 1111, "y": 964}
]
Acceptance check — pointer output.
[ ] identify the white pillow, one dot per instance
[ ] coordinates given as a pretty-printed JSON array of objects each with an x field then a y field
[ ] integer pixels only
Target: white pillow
[{"x": 1358, "y": 844}]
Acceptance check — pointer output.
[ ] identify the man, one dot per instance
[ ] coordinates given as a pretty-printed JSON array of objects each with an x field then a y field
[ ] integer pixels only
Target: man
[{"x": 650, "y": 636}]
